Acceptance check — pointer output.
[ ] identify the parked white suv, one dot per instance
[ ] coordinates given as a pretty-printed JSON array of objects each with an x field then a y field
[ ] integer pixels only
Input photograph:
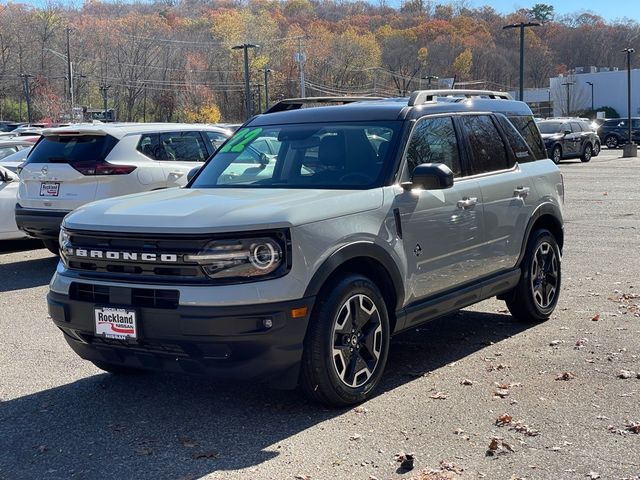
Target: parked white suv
[{"x": 78, "y": 164}]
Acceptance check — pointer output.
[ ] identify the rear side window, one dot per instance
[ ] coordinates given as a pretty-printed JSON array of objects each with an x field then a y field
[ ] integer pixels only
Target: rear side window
[
  {"x": 216, "y": 139},
  {"x": 527, "y": 127},
  {"x": 518, "y": 145},
  {"x": 433, "y": 140},
  {"x": 173, "y": 146},
  {"x": 488, "y": 152},
  {"x": 72, "y": 148}
]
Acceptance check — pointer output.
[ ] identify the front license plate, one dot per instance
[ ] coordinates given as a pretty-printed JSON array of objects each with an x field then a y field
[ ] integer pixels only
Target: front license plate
[
  {"x": 49, "y": 189},
  {"x": 118, "y": 323}
]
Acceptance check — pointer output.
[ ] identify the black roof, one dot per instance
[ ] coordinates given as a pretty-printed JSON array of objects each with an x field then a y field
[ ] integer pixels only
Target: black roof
[{"x": 391, "y": 109}]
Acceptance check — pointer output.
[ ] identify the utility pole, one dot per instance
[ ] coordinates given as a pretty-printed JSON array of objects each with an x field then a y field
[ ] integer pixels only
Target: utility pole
[
  {"x": 247, "y": 87},
  {"x": 629, "y": 149},
  {"x": 568, "y": 85},
  {"x": 522, "y": 26},
  {"x": 301, "y": 58},
  {"x": 591, "y": 85},
  {"x": 70, "y": 73},
  {"x": 27, "y": 95},
  {"x": 267, "y": 71},
  {"x": 104, "y": 89}
]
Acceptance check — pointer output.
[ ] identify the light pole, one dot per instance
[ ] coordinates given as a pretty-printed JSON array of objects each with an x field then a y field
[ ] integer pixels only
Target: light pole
[
  {"x": 629, "y": 149},
  {"x": 522, "y": 26},
  {"x": 267, "y": 71},
  {"x": 591, "y": 85},
  {"x": 549, "y": 109},
  {"x": 247, "y": 89},
  {"x": 568, "y": 84},
  {"x": 70, "y": 72},
  {"x": 428, "y": 78},
  {"x": 104, "y": 89}
]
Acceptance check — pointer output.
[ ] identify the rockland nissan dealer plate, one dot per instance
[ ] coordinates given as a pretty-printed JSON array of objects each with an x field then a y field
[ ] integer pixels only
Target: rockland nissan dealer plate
[
  {"x": 118, "y": 323},
  {"x": 49, "y": 189}
]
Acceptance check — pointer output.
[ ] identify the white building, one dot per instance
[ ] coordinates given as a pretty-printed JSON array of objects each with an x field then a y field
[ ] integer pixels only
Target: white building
[{"x": 573, "y": 92}]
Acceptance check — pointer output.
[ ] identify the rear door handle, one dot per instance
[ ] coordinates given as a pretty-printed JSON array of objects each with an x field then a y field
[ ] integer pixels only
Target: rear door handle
[
  {"x": 521, "y": 192},
  {"x": 467, "y": 203}
]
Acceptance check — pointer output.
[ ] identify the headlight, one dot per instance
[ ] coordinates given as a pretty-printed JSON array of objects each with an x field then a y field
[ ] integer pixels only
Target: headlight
[
  {"x": 63, "y": 241},
  {"x": 242, "y": 258}
]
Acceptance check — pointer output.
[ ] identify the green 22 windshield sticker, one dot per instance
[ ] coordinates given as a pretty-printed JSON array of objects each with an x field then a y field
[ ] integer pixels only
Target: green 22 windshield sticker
[{"x": 240, "y": 140}]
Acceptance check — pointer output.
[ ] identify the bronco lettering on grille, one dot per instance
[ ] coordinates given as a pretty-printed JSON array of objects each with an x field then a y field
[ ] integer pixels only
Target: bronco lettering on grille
[{"x": 122, "y": 256}]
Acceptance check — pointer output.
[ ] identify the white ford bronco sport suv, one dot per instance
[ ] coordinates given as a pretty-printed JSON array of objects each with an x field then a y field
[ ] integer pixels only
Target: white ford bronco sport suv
[{"x": 370, "y": 218}]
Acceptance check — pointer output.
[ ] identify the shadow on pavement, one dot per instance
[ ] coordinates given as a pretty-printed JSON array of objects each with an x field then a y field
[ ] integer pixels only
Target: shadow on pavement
[
  {"x": 10, "y": 246},
  {"x": 26, "y": 273},
  {"x": 155, "y": 426}
]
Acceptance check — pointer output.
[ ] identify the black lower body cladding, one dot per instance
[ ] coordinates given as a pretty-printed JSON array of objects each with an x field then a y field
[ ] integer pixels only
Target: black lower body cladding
[
  {"x": 257, "y": 342},
  {"x": 39, "y": 223}
]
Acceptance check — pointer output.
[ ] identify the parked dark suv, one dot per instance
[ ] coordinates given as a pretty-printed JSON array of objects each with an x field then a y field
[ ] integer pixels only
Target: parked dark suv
[
  {"x": 569, "y": 138},
  {"x": 615, "y": 131}
]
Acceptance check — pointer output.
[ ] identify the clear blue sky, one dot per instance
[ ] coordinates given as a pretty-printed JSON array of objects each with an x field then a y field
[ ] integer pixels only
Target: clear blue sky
[{"x": 608, "y": 10}]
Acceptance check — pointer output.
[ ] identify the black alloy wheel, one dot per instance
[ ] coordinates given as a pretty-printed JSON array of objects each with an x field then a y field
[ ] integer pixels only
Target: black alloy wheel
[
  {"x": 347, "y": 343},
  {"x": 587, "y": 153},
  {"x": 556, "y": 154}
]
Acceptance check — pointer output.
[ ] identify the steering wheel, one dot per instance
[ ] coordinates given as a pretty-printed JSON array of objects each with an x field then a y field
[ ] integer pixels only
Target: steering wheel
[{"x": 357, "y": 177}]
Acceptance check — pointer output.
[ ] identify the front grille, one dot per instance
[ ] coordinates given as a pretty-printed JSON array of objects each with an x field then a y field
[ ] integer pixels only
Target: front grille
[
  {"x": 178, "y": 272},
  {"x": 134, "y": 297},
  {"x": 164, "y": 348}
]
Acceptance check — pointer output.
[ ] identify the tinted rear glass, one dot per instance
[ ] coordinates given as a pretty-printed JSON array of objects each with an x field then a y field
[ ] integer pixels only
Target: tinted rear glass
[
  {"x": 529, "y": 131},
  {"x": 71, "y": 148}
]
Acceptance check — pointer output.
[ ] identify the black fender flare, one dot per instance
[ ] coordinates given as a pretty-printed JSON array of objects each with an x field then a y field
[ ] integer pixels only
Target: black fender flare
[
  {"x": 360, "y": 249},
  {"x": 546, "y": 208}
]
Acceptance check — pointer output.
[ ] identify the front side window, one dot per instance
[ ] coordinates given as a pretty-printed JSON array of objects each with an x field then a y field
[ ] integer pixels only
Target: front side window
[
  {"x": 433, "y": 140},
  {"x": 488, "y": 151},
  {"x": 337, "y": 155},
  {"x": 575, "y": 126}
]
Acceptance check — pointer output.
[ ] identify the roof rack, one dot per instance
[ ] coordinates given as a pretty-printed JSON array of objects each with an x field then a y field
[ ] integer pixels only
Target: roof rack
[
  {"x": 297, "y": 103},
  {"x": 422, "y": 96}
]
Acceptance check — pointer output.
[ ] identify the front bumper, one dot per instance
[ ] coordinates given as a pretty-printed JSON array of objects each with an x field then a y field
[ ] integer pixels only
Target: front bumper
[
  {"x": 39, "y": 223},
  {"x": 223, "y": 342}
]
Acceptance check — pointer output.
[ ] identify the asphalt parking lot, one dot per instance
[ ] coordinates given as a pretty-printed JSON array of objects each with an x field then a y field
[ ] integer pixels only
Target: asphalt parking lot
[{"x": 564, "y": 411}]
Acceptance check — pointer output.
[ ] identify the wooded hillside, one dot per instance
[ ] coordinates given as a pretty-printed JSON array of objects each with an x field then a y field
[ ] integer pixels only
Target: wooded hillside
[{"x": 173, "y": 61}]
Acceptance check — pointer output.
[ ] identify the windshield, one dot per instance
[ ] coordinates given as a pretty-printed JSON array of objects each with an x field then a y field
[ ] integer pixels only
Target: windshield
[
  {"x": 550, "y": 127},
  {"x": 338, "y": 155}
]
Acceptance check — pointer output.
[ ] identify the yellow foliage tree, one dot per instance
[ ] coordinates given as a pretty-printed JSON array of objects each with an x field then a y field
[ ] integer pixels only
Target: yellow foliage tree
[
  {"x": 462, "y": 64},
  {"x": 208, "y": 113}
]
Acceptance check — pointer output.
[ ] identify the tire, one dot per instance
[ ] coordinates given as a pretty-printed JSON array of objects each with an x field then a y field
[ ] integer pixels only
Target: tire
[
  {"x": 347, "y": 343},
  {"x": 536, "y": 295},
  {"x": 117, "y": 369},
  {"x": 611, "y": 141},
  {"x": 556, "y": 154},
  {"x": 52, "y": 246},
  {"x": 596, "y": 149},
  {"x": 587, "y": 153}
]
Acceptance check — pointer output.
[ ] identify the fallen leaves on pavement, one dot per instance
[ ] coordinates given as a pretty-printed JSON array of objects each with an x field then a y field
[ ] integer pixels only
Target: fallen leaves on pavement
[{"x": 566, "y": 376}]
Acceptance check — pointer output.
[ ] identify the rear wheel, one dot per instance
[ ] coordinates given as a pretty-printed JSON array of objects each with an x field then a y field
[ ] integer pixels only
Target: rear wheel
[
  {"x": 611, "y": 141},
  {"x": 536, "y": 295},
  {"x": 52, "y": 246},
  {"x": 347, "y": 343},
  {"x": 556, "y": 154},
  {"x": 587, "y": 153}
]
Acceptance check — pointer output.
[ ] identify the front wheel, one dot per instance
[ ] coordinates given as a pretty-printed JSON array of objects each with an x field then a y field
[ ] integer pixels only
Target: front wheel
[
  {"x": 611, "y": 141},
  {"x": 536, "y": 295},
  {"x": 587, "y": 153},
  {"x": 556, "y": 154},
  {"x": 596, "y": 149},
  {"x": 346, "y": 347}
]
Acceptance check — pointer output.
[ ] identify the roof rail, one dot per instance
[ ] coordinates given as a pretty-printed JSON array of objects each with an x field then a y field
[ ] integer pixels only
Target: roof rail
[
  {"x": 421, "y": 96},
  {"x": 297, "y": 103}
]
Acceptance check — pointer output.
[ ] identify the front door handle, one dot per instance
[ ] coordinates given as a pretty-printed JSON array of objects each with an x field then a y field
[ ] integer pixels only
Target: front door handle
[
  {"x": 176, "y": 173},
  {"x": 521, "y": 192},
  {"x": 467, "y": 203}
]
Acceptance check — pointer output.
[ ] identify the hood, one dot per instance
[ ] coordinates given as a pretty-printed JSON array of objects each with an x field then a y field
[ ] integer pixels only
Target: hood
[{"x": 185, "y": 210}]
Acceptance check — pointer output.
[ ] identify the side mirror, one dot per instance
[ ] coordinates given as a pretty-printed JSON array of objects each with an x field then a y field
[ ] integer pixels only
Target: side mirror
[
  {"x": 567, "y": 132},
  {"x": 430, "y": 176},
  {"x": 192, "y": 173}
]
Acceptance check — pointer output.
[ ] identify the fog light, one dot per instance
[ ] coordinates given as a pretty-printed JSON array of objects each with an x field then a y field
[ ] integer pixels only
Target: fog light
[{"x": 267, "y": 323}]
